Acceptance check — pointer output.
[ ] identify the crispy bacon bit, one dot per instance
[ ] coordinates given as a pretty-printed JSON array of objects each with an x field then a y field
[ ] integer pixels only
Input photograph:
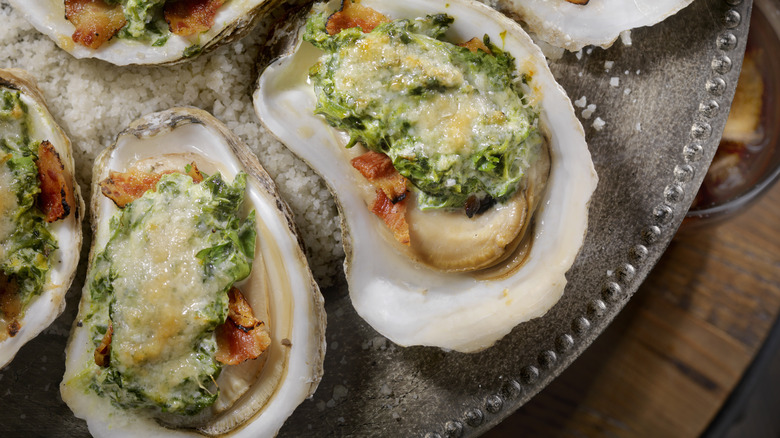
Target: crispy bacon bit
[
  {"x": 103, "y": 351},
  {"x": 95, "y": 21},
  {"x": 125, "y": 187},
  {"x": 394, "y": 216},
  {"x": 10, "y": 307},
  {"x": 188, "y": 17},
  {"x": 353, "y": 14},
  {"x": 391, "y": 191},
  {"x": 378, "y": 169},
  {"x": 475, "y": 44},
  {"x": 578, "y": 2},
  {"x": 56, "y": 198},
  {"x": 242, "y": 336}
]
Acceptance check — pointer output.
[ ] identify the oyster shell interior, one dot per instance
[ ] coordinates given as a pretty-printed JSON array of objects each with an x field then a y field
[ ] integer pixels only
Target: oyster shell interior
[
  {"x": 233, "y": 20},
  {"x": 257, "y": 396},
  {"x": 573, "y": 26},
  {"x": 47, "y": 306},
  {"x": 405, "y": 300}
]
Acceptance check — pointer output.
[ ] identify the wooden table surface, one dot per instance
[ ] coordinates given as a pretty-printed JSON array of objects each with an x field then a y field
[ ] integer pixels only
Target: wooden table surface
[{"x": 667, "y": 363}]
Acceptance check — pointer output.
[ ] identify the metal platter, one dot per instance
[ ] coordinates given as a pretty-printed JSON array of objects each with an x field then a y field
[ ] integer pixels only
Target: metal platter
[{"x": 663, "y": 123}]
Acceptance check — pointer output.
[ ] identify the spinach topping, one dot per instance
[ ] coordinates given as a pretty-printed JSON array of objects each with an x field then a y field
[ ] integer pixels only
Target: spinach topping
[
  {"x": 25, "y": 248},
  {"x": 161, "y": 283},
  {"x": 456, "y": 123}
]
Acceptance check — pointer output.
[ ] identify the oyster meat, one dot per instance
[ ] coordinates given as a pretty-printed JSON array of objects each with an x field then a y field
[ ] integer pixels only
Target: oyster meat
[
  {"x": 199, "y": 314},
  {"x": 142, "y": 31},
  {"x": 573, "y": 25},
  {"x": 40, "y": 214},
  {"x": 457, "y": 282}
]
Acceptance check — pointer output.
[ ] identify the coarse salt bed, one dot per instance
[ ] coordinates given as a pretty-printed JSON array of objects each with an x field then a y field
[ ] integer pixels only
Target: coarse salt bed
[
  {"x": 614, "y": 82},
  {"x": 598, "y": 124},
  {"x": 608, "y": 65},
  {"x": 581, "y": 102}
]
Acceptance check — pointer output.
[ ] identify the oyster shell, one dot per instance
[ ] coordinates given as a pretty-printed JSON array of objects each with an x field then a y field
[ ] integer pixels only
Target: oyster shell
[
  {"x": 572, "y": 26},
  {"x": 256, "y": 396},
  {"x": 45, "y": 308},
  {"x": 233, "y": 20},
  {"x": 406, "y": 300}
]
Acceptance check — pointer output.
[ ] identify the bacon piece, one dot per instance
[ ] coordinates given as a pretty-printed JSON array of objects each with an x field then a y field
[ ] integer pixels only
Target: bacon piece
[
  {"x": 103, "y": 351},
  {"x": 242, "y": 336},
  {"x": 353, "y": 14},
  {"x": 394, "y": 216},
  {"x": 475, "y": 44},
  {"x": 95, "y": 21},
  {"x": 391, "y": 192},
  {"x": 56, "y": 198},
  {"x": 125, "y": 187},
  {"x": 378, "y": 169},
  {"x": 188, "y": 17}
]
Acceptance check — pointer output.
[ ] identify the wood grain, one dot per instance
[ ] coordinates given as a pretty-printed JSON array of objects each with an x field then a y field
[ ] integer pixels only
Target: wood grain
[{"x": 668, "y": 362}]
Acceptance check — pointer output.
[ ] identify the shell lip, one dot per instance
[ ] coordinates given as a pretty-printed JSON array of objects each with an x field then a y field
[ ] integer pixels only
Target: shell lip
[
  {"x": 294, "y": 368},
  {"x": 410, "y": 304}
]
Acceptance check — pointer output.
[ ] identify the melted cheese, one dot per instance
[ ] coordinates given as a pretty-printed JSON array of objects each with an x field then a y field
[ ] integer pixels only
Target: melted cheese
[
  {"x": 162, "y": 294},
  {"x": 376, "y": 69}
]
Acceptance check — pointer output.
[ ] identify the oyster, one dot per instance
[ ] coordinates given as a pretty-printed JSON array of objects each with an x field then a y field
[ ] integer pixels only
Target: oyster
[
  {"x": 150, "y": 366},
  {"x": 39, "y": 241},
  {"x": 232, "y": 20},
  {"x": 573, "y": 25},
  {"x": 417, "y": 298}
]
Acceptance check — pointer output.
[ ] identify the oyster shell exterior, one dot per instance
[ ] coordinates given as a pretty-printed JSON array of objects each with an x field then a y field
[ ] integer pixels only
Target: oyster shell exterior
[
  {"x": 67, "y": 232},
  {"x": 598, "y": 22},
  {"x": 234, "y": 20},
  {"x": 403, "y": 299},
  {"x": 257, "y": 396}
]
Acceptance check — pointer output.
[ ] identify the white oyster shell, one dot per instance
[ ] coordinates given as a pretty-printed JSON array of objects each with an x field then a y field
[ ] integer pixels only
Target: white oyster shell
[
  {"x": 599, "y": 23},
  {"x": 50, "y": 304},
  {"x": 233, "y": 20},
  {"x": 280, "y": 289},
  {"x": 405, "y": 301}
]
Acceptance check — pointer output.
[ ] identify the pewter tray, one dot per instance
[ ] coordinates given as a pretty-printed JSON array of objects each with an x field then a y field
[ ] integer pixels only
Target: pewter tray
[{"x": 663, "y": 124}]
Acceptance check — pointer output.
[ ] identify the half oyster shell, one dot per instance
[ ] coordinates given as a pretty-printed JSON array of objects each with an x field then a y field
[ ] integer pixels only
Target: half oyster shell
[
  {"x": 256, "y": 396},
  {"x": 233, "y": 20},
  {"x": 49, "y": 304},
  {"x": 572, "y": 26},
  {"x": 405, "y": 300}
]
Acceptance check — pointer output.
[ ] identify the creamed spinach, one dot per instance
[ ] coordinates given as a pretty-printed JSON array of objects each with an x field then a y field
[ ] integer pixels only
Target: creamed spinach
[
  {"x": 456, "y": 123},
  {"x": 161, "y": 282}
]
